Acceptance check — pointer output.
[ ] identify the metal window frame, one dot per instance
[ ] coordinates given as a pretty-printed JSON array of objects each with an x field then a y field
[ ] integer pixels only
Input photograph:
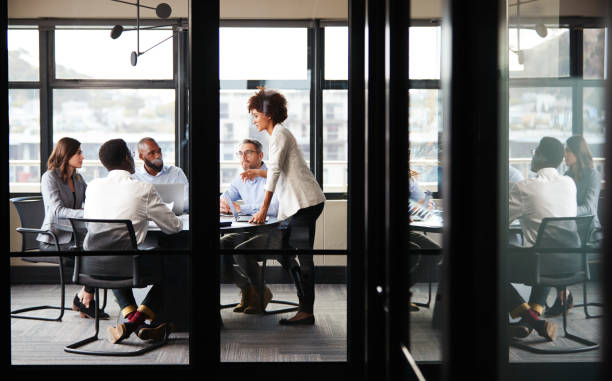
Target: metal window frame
[{"x": 48, "y": 81}]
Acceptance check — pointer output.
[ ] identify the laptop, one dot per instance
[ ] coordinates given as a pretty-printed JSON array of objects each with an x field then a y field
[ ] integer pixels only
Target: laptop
[
  {"x": 172, "y": 193},
  {"x": 238, "y": 217}
]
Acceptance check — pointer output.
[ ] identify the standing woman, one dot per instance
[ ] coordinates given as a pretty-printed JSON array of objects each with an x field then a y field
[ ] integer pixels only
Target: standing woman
[
  {"x": 300, "y": 197},
  {"x": 63, "y": 192},
  {"x": 579, "y": 160}
]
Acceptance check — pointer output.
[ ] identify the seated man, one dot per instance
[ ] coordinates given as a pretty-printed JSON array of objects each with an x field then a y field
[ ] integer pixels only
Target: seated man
[
  {"x": 155, "y": 172},
  {"x": 251, "y": 192},
  {"x": 118, "y": 196},
  {"x": 549, "y": 194}
]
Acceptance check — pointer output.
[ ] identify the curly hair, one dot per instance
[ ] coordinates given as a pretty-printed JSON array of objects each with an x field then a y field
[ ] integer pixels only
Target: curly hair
[{"x": 271, "y": 103}]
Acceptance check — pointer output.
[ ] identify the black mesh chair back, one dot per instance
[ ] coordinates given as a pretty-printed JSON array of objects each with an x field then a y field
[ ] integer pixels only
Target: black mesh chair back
[
  {"x": 31, "y": 211},
  {"x": 562, "y": 269},
  {"x": 103, "y": 234},
  {"x": 111, "y": 271}
]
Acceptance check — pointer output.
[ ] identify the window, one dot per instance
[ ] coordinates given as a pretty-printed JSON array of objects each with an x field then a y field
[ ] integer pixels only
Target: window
[
  {"x": 335, "y": 109},
  {"x": 425, "y": 109},
  {"x": 240, "y": 74},
  {"x": 23, "y": 58},
  {"x": 24, "y": 140},
  {"x": 83, "y": 54},
  {"x": 92, "y": 116},
  {"x": 539, "y": 57},
  {"x": 594, "y": 52},
  {"x": 100, "y": 106},
  {"x": 559, "y": 92}
]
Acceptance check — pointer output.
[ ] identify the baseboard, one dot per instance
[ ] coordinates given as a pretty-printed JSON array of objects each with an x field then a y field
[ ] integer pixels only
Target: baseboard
[{"x": 274, "y": 274}]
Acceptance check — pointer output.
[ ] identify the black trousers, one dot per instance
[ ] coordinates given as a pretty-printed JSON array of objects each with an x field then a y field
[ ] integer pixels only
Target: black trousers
[
  {"x": 153, "y": 300},
  {"x": 299, "y": 233}
]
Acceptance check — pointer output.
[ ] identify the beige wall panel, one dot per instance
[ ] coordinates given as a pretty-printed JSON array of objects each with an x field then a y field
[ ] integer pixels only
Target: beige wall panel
[
  {"x": 14, "y": 237},
  {"x": 335, "y": 260},
  {"x": 229, "y": 9},
  {"x": 89, "y": 9},
  {"x": 335, "y": 225}
]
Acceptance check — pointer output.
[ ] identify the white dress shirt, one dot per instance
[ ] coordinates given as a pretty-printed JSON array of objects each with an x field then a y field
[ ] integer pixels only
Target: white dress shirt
[
  {"x": 168, "y": 175},
  {"x": 549, "y": 194},
  {"x": 289, "y": 175},
  {"x": 119, "y": 196}
]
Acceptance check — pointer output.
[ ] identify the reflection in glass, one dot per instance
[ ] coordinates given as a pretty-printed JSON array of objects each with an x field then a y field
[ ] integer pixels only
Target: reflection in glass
[
  {"x": 539, "y": 56},
  {"x": 23, "y": 61},
  {"x": 24, "y": 140},
  {"x": 93, "y": 54},
  {"x": 94, "y": 116},
  {"x": 535, "y": 112},
  {"x": 425, "y": 126},
  {"x": 594, "y": 53}
]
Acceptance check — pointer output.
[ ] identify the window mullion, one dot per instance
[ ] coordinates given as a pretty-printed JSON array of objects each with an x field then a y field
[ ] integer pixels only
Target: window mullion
[
  {"x": 576, "y": 73},
  {"x": 46, "y": 73}
]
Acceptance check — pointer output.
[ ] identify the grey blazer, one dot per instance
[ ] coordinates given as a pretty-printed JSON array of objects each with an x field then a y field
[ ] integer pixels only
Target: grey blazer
[
  {"x": 587, "y": 194},
  {"x": 60, "y": 204}
]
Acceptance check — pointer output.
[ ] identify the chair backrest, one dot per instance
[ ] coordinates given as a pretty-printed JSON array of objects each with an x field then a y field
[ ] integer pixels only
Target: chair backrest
[
  {"x": 111, "y": 271},
  {"x": 92, "y": 234},
  {"x": 563, "y": 233},
  {"x": 31, "y": 211}
]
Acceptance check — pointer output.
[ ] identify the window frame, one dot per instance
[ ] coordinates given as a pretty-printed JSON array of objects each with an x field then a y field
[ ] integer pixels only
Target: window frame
[
  {"x": 576, "y": 80},
  {"x": 48, "y": 81}
]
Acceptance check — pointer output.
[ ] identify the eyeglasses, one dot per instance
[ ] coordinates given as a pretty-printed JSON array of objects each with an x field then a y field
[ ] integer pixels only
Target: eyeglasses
[{"x": 249, "y": 153}]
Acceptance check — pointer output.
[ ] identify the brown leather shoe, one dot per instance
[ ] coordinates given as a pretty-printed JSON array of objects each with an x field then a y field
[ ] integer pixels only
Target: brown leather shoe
[
  {"x": 519, "y": 331},
  {"x": 120, "y": 332},
  {"x": 546, "y": 329},
  {"x": 244, "y": 292},
  {"x": 157, "y": 333},
  {"x": 253, "y": 306}
]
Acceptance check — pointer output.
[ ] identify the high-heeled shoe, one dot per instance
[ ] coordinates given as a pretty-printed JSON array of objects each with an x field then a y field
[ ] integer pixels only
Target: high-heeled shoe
[
  {"x": 88, "y": 312},
  {"x": 557, "y": 308}
]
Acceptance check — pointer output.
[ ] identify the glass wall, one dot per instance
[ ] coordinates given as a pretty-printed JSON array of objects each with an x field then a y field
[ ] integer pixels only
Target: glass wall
[
  {"x": 556, "y": 96},
  {"x": 306, "y": 77}
]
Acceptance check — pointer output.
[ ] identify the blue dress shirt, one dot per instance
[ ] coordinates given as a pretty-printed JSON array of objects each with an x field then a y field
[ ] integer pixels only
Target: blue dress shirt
[
  {"x": 168, "y": 175},
  {"x": 252, "y": 193}
]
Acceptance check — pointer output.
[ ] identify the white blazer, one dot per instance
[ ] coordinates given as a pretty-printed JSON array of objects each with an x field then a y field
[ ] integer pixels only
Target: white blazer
[{"x": 289, "y": 176}]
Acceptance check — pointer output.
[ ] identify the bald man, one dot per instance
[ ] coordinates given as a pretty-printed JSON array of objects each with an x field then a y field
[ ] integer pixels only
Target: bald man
[{"x": 155, "y": 172}]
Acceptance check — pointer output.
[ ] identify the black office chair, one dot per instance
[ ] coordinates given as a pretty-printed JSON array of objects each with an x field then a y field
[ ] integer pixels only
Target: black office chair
[
  {"x": 559, "y": 270},
  {"x": 31, "y": 213},
  {"x": 112, "y": 271},
  {"x": 593, "y": 258}
]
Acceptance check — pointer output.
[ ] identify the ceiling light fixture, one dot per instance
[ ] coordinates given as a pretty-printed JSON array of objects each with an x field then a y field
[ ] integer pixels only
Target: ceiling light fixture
[
  {"x": 162, "y": 10},
  {"x": 540, "y": 29}
]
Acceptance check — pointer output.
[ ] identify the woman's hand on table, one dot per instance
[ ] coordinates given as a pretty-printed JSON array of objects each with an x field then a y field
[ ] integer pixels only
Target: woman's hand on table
[{"x": 259, "y": 217}]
